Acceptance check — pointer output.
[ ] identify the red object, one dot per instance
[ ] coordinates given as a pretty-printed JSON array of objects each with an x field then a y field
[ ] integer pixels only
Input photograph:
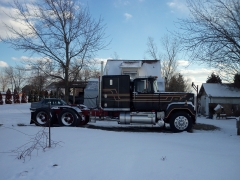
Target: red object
[
  {"x": 16, "y": 98},
  {"x": 8, "y": 99},
  {"x": 1, "y": 101}
]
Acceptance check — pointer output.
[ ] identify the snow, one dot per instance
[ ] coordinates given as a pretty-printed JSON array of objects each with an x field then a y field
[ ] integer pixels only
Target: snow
[
  {"x": 131, "y": 64},
  {"x": 95, "y": 154},
  {"x": 220, "y": 90}
]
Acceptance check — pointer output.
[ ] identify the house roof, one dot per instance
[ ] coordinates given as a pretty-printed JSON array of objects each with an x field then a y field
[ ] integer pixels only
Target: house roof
[
  {"x": 131, "y": 64},
  {"x": 92, "y": 85},
  {"x": 220, "y": 90}
]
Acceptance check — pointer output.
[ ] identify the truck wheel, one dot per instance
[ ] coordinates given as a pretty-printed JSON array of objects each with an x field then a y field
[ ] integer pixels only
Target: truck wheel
[
  {"x": 68, "y": 117},
  {"x": 41, "y": 117},
  {"x": 180, "y": 121}
]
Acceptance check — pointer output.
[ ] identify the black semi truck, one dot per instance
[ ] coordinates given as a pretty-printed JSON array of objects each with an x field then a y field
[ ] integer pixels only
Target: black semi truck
[{"x": 138, "y": 101}]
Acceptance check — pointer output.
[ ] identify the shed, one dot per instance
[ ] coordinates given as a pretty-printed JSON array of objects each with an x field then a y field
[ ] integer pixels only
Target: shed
[
  {"x": 135, "y": 68},
  {"x": 91, "y": 93},
  {"x": 212, "y": 94}
]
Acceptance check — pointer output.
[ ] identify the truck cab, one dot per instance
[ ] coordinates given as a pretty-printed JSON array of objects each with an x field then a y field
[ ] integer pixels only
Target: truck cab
[{"x": 139, "y": 101}]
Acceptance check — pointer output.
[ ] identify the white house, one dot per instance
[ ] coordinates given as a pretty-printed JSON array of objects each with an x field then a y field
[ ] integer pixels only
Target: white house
[
  {"x": 136, "y": 68},
  {"x": 214, "y": 94}
]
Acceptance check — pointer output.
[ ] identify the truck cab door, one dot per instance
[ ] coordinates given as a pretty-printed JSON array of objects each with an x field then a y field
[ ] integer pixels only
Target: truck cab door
[{"x": 142, "y": 95}]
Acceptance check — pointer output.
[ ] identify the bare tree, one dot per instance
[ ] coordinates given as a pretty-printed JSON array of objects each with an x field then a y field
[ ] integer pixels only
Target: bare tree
[
  {"x": 171, "y": 46},
  {"x": 62, "y": 32},
  {"x": 212, "y": 34},
  {"x": 188, "y": 85},
  {"x": 115, "y": 56},
  {"x": 16, "y": 76},
  {"x": 38, "y": 82},
  {"x": 152, "y": 50},
  {"x": 88, "y": 70},
  {"x": 96, "y": 73},
  {"x": 4, "y": 80},
  {"x": 86, "y": 74},
  {"x": 168, "y": 57},
  {"x": 38, "y": 142}
]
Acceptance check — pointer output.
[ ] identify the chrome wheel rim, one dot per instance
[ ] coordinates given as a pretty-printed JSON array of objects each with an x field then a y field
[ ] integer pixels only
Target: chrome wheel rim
[
  {"x": 181, "y": 123},
  {"x": 67, "y": 119},
  {"x": 41, "y": 118}
]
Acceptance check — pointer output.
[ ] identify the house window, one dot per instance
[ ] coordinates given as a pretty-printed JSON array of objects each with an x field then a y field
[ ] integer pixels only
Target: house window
[{"x": 132, "y": 74}]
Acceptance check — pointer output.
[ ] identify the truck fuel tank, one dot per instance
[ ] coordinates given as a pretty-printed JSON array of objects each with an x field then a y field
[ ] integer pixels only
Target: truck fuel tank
[{"x": 137, "y": 118}]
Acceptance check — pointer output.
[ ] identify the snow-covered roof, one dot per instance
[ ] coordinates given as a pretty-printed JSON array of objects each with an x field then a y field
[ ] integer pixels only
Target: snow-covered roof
[
  {"x": 92, "y": 85},
  {"x": 131, "y": 64},
  {"x": 220, "y": 90}
]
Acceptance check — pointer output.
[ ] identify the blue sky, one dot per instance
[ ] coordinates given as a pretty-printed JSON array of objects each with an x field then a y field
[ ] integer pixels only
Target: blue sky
[{"x": 129, "y": 24}]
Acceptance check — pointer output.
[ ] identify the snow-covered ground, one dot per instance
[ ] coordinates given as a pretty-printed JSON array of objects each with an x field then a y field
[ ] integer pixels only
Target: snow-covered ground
[{"x": 86, "y": 154}]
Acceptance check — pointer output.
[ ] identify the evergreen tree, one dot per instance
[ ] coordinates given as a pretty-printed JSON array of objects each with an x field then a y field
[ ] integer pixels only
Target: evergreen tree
[
  {"x": 24, "y": 98},
  {"x": 36, "y": 94},
  {"x": 31, "y": 96},
  {"x": 181, "y": 83},
  {"x": 55, "y": 94},
  {"x": 172, "y": 85},
  {"x": 16, "y": 98},
  {"x": 1, "y": 101},
  {"x": 213, "y": 78},
  {"x": 51, "y": 94},
  {"x": 8, "y": 98},
  {"x": 41, "y": 95},
  {"x": 46, "y": 94},
  {"x": 237, "y": 80},
  {"x": 177, "y": 84}
]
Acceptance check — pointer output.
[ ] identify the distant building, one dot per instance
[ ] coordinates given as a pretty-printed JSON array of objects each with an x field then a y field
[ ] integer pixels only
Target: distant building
[
  {"x": 51, "y": 87},
  {"x": 26, "y": 89},
  {"x": 212, "y": 94}
]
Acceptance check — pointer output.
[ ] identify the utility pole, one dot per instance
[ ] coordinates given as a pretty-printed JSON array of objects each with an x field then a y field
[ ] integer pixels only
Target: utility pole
[{"x": 196, "y": 89}]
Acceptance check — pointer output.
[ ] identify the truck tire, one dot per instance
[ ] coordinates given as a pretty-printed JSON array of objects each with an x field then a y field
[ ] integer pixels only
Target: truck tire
[
  {"x": 41, "y": 117},
  {"x": 180, "y": 121},
  {"x": 68, "y": 117}
]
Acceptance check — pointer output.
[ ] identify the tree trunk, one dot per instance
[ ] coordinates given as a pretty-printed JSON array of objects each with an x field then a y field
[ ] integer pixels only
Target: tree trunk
[{"x": 66, "y": 82}]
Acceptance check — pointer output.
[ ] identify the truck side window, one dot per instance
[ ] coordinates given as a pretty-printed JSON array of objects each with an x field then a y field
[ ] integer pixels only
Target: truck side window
[
  {"x": 139, "y": 86},
  {"x": 142, "y": 86},
  {"x": 148, "y": 88}
]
